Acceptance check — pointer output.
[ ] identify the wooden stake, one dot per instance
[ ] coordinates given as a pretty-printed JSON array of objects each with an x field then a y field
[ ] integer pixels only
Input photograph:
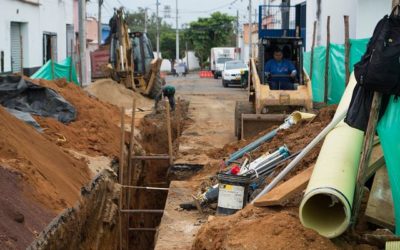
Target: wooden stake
[
  {"x": 347, "y": 48},
  {"x": 121, "y": 176},
  {"x": 312, "y": 50},
  {"x": 178, "y": 117},
  {"x": 366, "y": 153},
  {"x": 131, "y": 143},
  {"x": 168, "y": 116},
  {"x": 328, "y": 48},
  {"x": 72, "y": 61}
]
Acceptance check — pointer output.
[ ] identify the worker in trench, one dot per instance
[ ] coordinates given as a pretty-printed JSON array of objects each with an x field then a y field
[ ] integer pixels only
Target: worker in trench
[
  {"x": 279, "y": 72},
  {"x": 167, "y": 91}
]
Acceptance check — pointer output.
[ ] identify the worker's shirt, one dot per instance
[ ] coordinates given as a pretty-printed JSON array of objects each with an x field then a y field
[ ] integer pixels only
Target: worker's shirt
[
  {"x": 284, "y": 67},
  {"x": 168, "y": 90}
]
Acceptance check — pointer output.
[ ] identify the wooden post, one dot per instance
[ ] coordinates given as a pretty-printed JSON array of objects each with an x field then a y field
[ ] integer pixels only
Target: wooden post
[
  {"x": 121, "y": 178},
  {"x": 52, "y": 61},
  {"x": 328, "y": 47},
  {"x": 347, "y": 49},
  {"x": 178, "y": 117},
  {"x": 72, "y": 61},
  {"x": 366, "y": 153},
  {"x": 312, "y": 50},
  {"x": 131, "y": 143},
  {"x": 168, "y": 120},
  {"x": 22, "y": 52}
]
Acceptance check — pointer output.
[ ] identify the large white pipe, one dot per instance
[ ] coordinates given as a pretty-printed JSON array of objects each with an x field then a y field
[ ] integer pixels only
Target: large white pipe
[{"x": 327, "y": 203}]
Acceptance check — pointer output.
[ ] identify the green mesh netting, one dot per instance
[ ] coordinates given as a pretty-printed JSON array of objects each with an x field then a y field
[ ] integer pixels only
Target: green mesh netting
[{"x": 62, "y": 69}]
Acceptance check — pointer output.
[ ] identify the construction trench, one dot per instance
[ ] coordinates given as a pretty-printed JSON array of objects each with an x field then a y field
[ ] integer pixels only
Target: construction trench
[{"x": 66, "y": 180}]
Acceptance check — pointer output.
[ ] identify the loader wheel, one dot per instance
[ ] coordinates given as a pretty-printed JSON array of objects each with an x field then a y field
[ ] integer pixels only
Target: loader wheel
[
  {"x": 241, "y": 108},
  {"x": 155, "y": 90}
]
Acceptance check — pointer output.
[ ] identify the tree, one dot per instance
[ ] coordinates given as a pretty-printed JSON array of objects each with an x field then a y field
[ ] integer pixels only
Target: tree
[{"x": 213, "y": 31}]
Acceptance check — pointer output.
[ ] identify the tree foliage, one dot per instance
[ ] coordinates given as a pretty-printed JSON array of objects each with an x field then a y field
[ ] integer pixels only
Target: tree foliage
[{"x": 209, "y": 32}]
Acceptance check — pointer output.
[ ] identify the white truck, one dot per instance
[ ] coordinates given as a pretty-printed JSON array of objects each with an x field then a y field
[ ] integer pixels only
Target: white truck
[{"x": 219, "y": 56}]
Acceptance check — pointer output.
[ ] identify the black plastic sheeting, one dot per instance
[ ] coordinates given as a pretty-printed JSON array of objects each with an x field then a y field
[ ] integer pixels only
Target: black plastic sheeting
[
  {"x": 25, "y": 96},
  {"x": 26, "y": 117}
]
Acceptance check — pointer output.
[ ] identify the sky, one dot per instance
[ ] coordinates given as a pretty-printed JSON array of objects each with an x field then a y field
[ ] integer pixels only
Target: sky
[{"x": 189, "y": 10}]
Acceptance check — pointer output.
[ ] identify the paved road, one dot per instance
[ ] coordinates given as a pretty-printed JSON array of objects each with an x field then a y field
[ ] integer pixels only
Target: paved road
[{"x": 212, "y": 110}]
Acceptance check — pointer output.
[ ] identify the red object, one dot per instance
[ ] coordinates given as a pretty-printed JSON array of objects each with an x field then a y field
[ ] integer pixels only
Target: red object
[
  {"x": 206, "y": 74},
  {"x": 235, "y": 170}
]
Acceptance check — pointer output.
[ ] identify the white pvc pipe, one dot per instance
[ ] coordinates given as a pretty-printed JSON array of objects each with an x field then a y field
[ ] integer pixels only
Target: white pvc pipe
[{"x": 327, "y": 203}]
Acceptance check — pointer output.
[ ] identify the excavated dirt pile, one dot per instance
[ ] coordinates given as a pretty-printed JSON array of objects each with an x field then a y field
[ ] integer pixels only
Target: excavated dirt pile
[
  {"x": 37, "y": 180},
  {"x": 95, "y": 130},
  {"x": 112, "y": 92},
  {"x": 258, "y": 228},
  {"x": 269, "y": 228}
]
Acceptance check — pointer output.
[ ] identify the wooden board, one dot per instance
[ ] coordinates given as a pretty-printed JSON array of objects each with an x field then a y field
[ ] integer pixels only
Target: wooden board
[
  {"x": 380, "y": 204},
  {"x": 286, "y": 190}
]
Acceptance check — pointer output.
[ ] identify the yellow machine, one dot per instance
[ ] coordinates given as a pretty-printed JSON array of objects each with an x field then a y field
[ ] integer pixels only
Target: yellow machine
[
  {"x": 129, "y": 58},
  {"x": 268, "y": 107}
]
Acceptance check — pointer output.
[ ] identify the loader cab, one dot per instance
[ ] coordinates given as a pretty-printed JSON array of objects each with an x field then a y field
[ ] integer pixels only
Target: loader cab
[
  {"x": 291, "y": 47},
  {"x": 142, "y": 53}
]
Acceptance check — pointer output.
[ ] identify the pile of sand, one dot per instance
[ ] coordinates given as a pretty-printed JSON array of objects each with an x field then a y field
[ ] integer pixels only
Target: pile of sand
[
  {"x": 112, "y": 92},
  {"x": 96, "y": 129},
  {"x": 257, "y": 228}
]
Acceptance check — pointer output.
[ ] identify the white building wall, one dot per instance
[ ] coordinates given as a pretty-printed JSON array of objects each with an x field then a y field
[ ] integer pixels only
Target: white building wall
[
  {"x": 363, "y": 16},
  {"x": 49, "y": 16},
  {"x": 369, "y": 12}
]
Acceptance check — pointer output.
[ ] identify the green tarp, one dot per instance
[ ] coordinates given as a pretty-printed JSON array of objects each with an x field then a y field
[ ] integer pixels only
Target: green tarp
[
  {"x": 61, "y": 70},
  {"x": 336, "y": 76},
  {"x": 389, "y": 134}
]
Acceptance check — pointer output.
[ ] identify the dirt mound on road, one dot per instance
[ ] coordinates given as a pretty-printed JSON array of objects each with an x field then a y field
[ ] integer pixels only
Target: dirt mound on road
[
  {"x": 112, "y": 92},
  {"x": 95, "y": 130},
  {"x": 53, "y": 176},
  {"x": 255, "y": 228}
]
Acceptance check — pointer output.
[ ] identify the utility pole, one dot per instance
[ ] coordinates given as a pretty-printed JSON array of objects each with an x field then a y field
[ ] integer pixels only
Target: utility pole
[
  {"x": 237, "y": 29},
  {"x": 177, "y": 32},
  {"x": 187, "y": 55},
  {"x": 158, "y": 30},
  {"x": 99, "y": 23},
  {"x": 82, "y": 39},
  {"x": 250, "y": 31},
  {"x": 145, "y": 20}
]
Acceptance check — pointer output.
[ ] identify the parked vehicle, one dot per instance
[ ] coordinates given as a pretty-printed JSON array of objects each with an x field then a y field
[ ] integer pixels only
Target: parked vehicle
[
  {"x": 233, "y": 72},
  {"x": 218, "y": 58}
]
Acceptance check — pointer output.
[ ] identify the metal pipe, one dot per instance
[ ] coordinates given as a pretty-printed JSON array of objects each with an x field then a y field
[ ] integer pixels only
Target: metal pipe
[
  {"x": 152, "y": 211},
  {"x": 148, "y": 188},
  {"x": 142, "y": 229}
]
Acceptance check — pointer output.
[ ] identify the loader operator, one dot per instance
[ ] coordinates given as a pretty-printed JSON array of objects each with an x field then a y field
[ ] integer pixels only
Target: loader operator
[
  {"x": 167, "y": 91},
  {"x": 280, "y": 72}
]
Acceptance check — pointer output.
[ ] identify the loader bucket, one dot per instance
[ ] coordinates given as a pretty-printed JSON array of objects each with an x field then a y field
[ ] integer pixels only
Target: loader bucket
[{"x": 253, "y": 124}]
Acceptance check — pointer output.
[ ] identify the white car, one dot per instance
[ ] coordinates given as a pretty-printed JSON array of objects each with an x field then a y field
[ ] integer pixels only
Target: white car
[{"x": 232, "y": 73}]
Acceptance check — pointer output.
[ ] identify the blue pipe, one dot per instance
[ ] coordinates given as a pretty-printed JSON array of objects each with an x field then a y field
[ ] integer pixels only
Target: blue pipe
[{"x": 249, "y": 147}]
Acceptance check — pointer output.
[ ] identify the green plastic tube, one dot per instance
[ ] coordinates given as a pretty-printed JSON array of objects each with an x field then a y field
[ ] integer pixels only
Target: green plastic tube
[{"x": 327, "y": 203}]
